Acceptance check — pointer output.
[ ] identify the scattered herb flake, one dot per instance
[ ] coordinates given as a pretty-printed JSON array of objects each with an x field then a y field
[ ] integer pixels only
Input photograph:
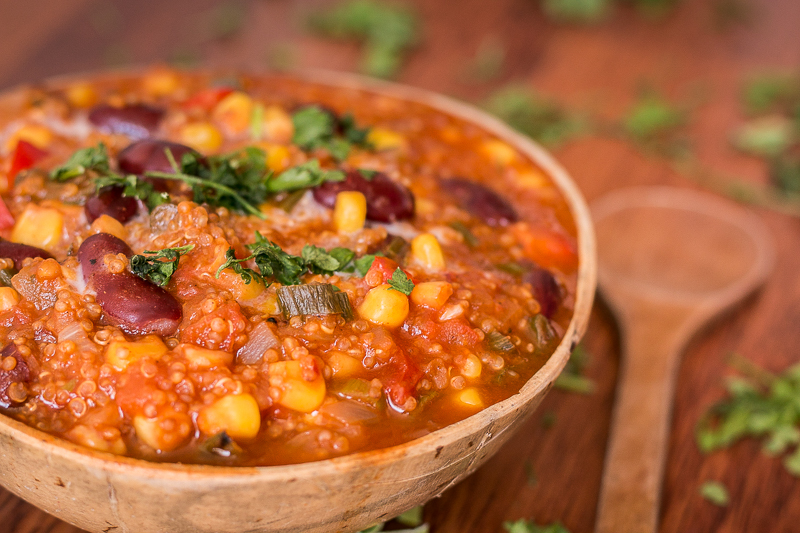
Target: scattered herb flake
[
  {"x": 315, "y": 127},
  {"x": 530, "y": 474},
  {"x": 572, "y": 378},
  {"x": 715, "y": 492},
  {"x": 412, "y": 517},
  {"x": 580, "y": 11},
  {"x": 363, "y": 264},
  {"x": 158, "y": 266},
  {"x": 653, "y": 119},
  {"x": 771, "y": 92},
  {"x": 765, "y": 137},
  {"x": 400, "y": 282},
  {"x": 527, "y": 526},
  {"x": 93, "y": 158},
  {"x": 308, "y": 174}
]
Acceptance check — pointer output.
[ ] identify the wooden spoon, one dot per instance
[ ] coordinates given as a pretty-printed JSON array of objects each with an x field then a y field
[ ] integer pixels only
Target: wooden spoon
[{"x": 670, "y": 260}]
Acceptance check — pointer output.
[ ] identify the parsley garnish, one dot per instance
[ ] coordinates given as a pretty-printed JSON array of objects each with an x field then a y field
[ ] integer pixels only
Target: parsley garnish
[
  {"x": 158, "y": 266},
  {"x": 273, "y": 262},
  {"x": 309, "y": 174},
  {"x": 94, "y": 158},
  {"x": 134, "y": 187},
  {"x": 315, "y": 127},
  {"x": 363, "y": 264},
  {"x": 400, "y": 282},
  {"x": 715, "y": 492},
  {"x": 762, "y": 405}
]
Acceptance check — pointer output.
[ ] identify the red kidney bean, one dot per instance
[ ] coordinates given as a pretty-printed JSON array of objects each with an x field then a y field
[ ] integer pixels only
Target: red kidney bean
[
  {"x": 17, "y": 252},
  {"x": 110, "y": 201},
  {"x": 148, "y": 155},
  {"x": 481, "y": 201},
  {"x": 129, "y": 302},
  {"x": 134, "y": 120},
  {"x": 545, "y": 289},
  {"x": 387, "y": 201},
  {"x": 19, "y": 374}
]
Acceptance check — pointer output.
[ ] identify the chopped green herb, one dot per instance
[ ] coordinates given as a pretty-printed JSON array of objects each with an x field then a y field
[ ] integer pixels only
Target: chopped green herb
[
  {"x": 363, "y": 264},
  {"x": 761, "y": 405},
  {"x": 515, "y": 269},
  {"x": 526, "y": 526},
  {"x": 771, "y": 92},
  {"x": 400, "y": 282},
  {"x": 469, "y": 238},
  {"x": 715, "y": 492},
  {"x": 309, "y": 174},
  {"x": 530, "y": 114},
  {"x": 530, "y": 474},
  {"x": 395, "y": 248},
  {"x": 572, "y": 378},
  {"x": 134, "y": 187},
  {"x": 94, "y": 158},
  {"x": 386, "y": 31},
  {"x": 653, "y": 119},
  {"x": 321, "y": 261},
  {"x": 315, "y": 127},
  {"x": 257, "y": 121},
  {"x": 367, "y": 174},
  {"x": 500, "y": 343},
  {"x": 765, "y": 137},
  {"x": 313, "y": 299},
  {"x": 290, "y": 199},
  {"x": 488, "y": 61},
  {"x": 582, "y": 11},
  {"x": 549, "y": 419},
  {"x": 412, "y": 517},
  {"x": 158, "y": 266}
]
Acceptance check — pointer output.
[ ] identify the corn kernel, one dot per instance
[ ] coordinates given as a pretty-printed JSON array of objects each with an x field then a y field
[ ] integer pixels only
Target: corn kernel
[
  {"x": 470, "y": 397},
  {"x": 37, "y": 135},
  {"x": 161, "y": 82},
  {"x": 343, "y": 365},
  {"x": 423, "y": 206},
  {"x": 350, "y": 211},
  {"x": 533, "y": 179},
  {"x": 297, "y": 393},
  {"x": 201, "y": 136},
  {"x": 203, "y": 358},
  {"x": 120, "y": 354},
  {"x": 234, "y": 112},
  {"x": 425, "y": 249},
  {"x": 385, "y": 139},
  {"x": 385, "y": 306},
  {"x": 39, "y": 226},
  {"x": 269, "y": 305},
  {"x": 500, "y": 152},
  {"x": 9, "y": 298},
  {"x": 91, "y": 438},
  {"x": 107, "y": 224},
  {"x": 236, "y": 414},
  {"x": 431, "y": 294},
  {"x": 471, "y": 368},
  {"x": 278, "y": 125},
  {"x": 152, "y": 432},
  {"x": 81, "y": 94},
  {"x": 278, "y": 158}
]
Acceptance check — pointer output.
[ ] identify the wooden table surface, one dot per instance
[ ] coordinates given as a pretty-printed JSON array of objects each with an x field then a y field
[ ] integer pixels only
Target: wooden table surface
[{"x": 599, "y": 69}]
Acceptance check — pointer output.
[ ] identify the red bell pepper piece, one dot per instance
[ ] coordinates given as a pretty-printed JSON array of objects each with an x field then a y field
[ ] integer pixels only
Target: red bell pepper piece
[
  {"x": 6, "y": 219},
  {"x": 206, "y": 99},
  {"x": 25, "y": 156}
]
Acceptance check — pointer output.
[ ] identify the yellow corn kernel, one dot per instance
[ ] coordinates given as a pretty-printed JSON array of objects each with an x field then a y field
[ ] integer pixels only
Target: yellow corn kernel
[
  {"x": 471, "y": 368},
  {"x": 235, "y": 414},
  {"x": 9, "y": 298},
  {"x": 350, "y": 211},
  {"x": 107, "y": 224},
  {"x": 278, "y": 158},
  {"x": 269, "y": 305},
  {"x": 343, "y": 365},
  {"x": 161, "y": 82},
  {"x": 201, "y": 136},
  {"x": 296, "y": 392},
  {"x": 470, "y": 397},
  {"x": 423, "y": 206},
  {"x": 533, "y": 179},
  {"x": 385, "y": 139},
  {"x": 92, "y": 438},
  {"x": 203, "y": 358},
  {"x": 81, "y": 94},
  {"x": 385, "y": 306},
  {"x": 120, "y": 354},
  {"x": 500, "y": 152},
  {"x": 234, "y": 112},
  {"x": 425, "y": 249},
  {"x": 37, "y": 135},
  {"x": 278, "y": 125},
  {"x": 165, "y": 432},
  {"x": 431, "y": 294},
  {"x": 39, "y": 226}
]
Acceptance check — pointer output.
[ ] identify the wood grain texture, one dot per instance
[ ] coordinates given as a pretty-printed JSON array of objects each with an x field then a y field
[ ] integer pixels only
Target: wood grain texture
[{"x": 600, "y": 69}]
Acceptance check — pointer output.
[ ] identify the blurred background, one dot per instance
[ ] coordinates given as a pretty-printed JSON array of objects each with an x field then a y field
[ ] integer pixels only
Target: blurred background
[{"x": 693, "y": 93}]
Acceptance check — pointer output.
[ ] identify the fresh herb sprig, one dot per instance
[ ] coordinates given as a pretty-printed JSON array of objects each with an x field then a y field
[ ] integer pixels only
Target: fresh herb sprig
[
  {"x": 287, "y": 269},
  {"x": 93, "y": 158},
  {"x": 401, "y": 282},
  {"x": 158, "y": 266},
  {"x": 715, "y": 492},
  {"x": 315, "y": 127}
]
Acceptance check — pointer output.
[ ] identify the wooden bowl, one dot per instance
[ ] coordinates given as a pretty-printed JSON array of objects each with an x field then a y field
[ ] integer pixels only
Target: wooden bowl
[{"x": 105, "y": 493}]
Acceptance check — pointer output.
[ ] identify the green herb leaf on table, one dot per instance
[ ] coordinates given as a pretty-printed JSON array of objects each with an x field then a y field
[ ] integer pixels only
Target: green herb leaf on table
[
  {"x": 572, "y": 378},
  {"x": 771, "y": 92},
  {"x": 412, "y": 517},
  {"x": 158, "y": 266},
  {"x": 715, "y": 492},
  {"x": 400, "y": 282},
  {"x": 387, "y": 32},
  {"x": 528, "y": 526},
  {"x": 581, "y": 11},
  {"x": 534, "y": 116},
  {"x": 488, "y": 61},
  {"x": 655, "y": 123},
  {"x": 765, "y": 137}
]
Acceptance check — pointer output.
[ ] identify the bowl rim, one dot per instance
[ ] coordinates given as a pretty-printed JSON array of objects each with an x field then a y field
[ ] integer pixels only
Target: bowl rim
[{"x": 430, "y": 443}]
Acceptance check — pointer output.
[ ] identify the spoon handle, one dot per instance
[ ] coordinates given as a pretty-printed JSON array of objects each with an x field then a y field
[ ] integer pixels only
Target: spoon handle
[{"x": 630, "y": 493}]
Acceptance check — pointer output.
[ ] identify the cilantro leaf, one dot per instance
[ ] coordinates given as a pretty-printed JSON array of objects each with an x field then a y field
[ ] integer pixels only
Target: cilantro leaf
[
  {"x": 363, "y": 264},
  {"x": 715, "y": 492},
  {"x": 315, "y": 127},
  {"x": 93, "y": 158},
  {"x": 400, "y": 282},
  {"x": 309, "y": 174},
  {"x": 134, "y": 187},
  {"x": 247, "y": 274},
  {"x": 158, "y": 266}
]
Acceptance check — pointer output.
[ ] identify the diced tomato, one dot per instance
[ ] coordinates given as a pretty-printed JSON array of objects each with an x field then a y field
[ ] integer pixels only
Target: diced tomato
[
  {"x": 547, "y": 248},
  {"x": 381, "y": 271},
  {"x": 401, "y": 383},
  {"x": 202, "y": 334},
  {"x": 6, "y": 219},
  {"x": 25, "y": 156},
  {"x": 206, "y": 99}
]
